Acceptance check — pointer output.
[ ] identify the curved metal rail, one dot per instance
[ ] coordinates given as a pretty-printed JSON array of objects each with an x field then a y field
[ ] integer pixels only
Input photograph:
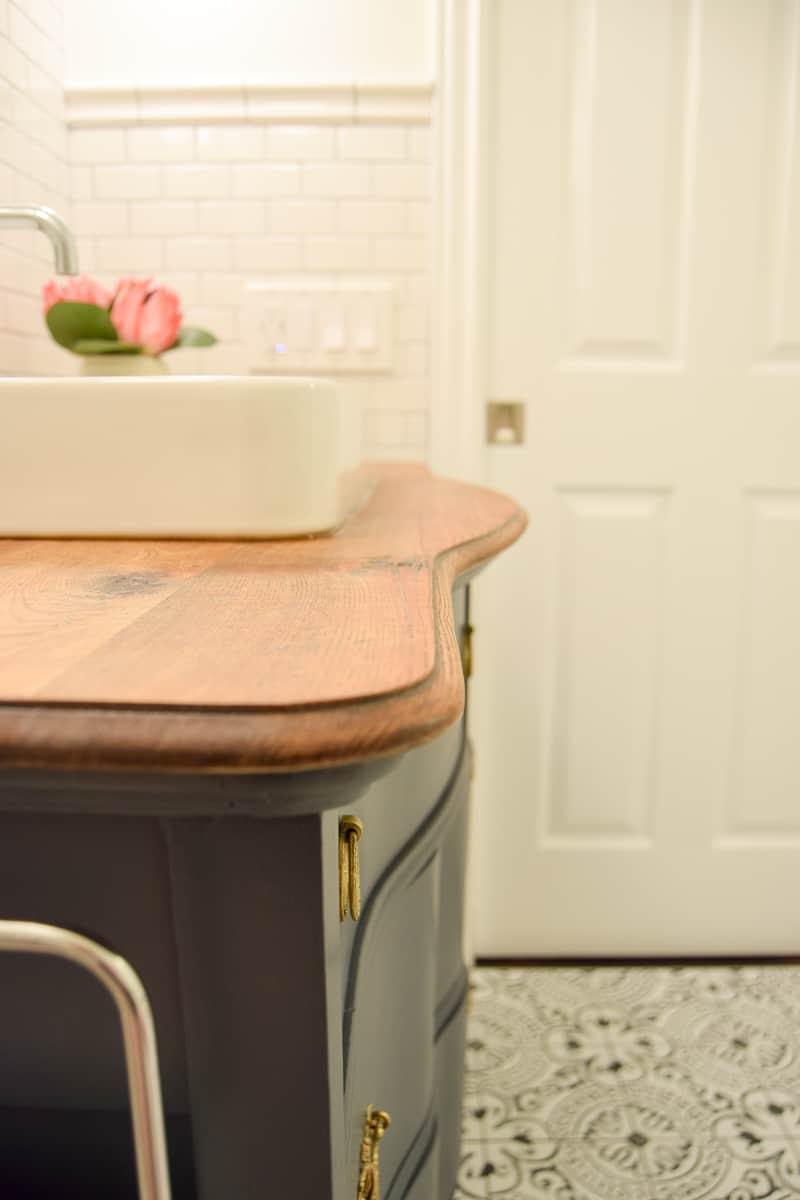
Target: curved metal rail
[{"x": 138, "y": 1032}]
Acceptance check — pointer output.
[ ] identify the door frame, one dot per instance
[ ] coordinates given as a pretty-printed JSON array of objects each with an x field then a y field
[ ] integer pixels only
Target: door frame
[{"x": 461, "y": 311}]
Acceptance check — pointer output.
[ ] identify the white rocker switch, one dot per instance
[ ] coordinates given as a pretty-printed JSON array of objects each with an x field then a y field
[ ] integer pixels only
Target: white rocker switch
[
  {"x": 332, "y": 333},
  {"x": 366, "y": 339}
]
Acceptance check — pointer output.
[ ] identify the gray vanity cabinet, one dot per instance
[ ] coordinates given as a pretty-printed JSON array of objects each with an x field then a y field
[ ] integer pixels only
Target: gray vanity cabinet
[
  {"x": 278, "y": 1023},
  {"x": 183, "y": 730}
]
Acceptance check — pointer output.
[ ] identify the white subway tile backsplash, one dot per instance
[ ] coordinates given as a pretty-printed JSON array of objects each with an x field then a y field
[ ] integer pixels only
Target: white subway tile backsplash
[
  {"x": 220, "y": 321},
  {"x": 92, "y": 218},
  {"x": 420, "y": 216},
  {"x": 302, "y": 216},
  {"x": 268, "y": 253},
  {"x": 413, "y": 289},
  {"x": 265, "y": 179},
  {"x": 399, "y": 394},
  {"x": 401, "y": 179},
  {"x": 186, "y": 254},
  {"x": 163, "y": 217},
  {"x": 41, "y": 14},
  {"x": 185, "y": 283},
  {"x": 23, "y": 315},
  {"x": 87, "y": 260},
  {"x": 49, "y": 96},
  {"x": 222, "y": 289},
  {"x": 411, "y": 323},
  {"x": 226, "y": 358},
  {"x": 396, "y": 431},
  {"x": 412, "y": 360},
  {"x": 14, "y": 66},
  {"x": 25, "y": 35},
  {"x": 129, "y": 255},
  {"x": 372, "y": 216},
  {"x": 154, "y": 145},
  {"x": 372, "y": 143},
  {"x": 337, "y": 253},
  {"x": 16, "y": 353},
  {"x": 126, "y": 182},
  {"x": 81, "y": 183},
  {"x": 198, "y": 181},
  {"x": 336, "y": 179},
  {"x": 420, "y": 144},
  {"x": 204, "y": 201},
  {"x": 402, "y": 253},
  {"x": 93, "y": 146},
  {"x": 33, "y": 169},
  {"x": 301, "y": 142},
  {"x": 417, "y": 428},
  {"x": 236, "y": 143},
  {"x": 233, "y": 217}
]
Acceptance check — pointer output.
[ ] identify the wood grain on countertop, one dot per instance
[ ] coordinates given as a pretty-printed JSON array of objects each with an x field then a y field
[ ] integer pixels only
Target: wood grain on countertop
[{"x": 244, "y": 655}]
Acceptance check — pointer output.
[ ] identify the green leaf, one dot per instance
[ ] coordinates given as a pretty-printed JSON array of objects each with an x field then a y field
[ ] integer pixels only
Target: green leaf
[
  {"x": 99, "y": 346},
  {"x": 190, "y": 335},
  {"x": 70, "y": 321}
]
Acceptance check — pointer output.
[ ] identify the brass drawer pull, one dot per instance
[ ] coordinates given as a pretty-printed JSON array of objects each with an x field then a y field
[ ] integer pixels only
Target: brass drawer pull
[
  {"x": 466, "y": 649},
  {"x": 375, "y": 1125},
  {"x": 350, "y": 830}
]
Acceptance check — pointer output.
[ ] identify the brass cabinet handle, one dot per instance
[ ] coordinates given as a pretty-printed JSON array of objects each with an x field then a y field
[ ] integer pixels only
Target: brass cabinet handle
[
  {"x": 466, "y": 648},
  {"x": 350, "y": 830},
  {"x": 375, "y": 1125}
]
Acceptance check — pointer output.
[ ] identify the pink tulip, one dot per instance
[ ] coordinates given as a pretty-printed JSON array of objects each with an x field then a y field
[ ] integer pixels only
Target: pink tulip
[
  {"x": 126, "y": 309},
  {"x": 161, "y": 320},
  {"x": 146, "y": 316},
  {"x": 78, "y": 287}
]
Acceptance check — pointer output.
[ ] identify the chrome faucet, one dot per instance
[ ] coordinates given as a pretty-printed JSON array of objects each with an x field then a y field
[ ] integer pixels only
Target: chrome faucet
[{"x": 51, "y": 224}]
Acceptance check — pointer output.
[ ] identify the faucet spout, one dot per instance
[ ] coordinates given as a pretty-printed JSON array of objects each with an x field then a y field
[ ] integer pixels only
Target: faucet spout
[{"x": 51, "y": 224}]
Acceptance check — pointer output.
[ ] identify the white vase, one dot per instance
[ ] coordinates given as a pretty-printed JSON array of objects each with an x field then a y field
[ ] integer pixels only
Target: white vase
[{"x": 122, "y": 364}]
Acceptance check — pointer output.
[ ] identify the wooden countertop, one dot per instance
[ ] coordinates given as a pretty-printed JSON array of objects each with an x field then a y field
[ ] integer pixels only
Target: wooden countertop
[{"x": 244, "y": 656}]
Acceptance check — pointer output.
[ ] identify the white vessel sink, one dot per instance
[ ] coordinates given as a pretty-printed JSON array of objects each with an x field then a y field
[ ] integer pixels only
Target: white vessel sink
[{"x": 174, "y": 456}]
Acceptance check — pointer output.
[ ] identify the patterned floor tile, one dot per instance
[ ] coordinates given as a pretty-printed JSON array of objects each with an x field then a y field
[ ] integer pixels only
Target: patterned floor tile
[{"x": 633, "y": 1083}]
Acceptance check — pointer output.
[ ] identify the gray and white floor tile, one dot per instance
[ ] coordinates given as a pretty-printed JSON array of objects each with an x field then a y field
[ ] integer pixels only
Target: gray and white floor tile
[{"x": 633, "y": 1083}]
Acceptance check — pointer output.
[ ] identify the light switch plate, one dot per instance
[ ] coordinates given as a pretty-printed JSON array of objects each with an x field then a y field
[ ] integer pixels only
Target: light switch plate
[{"x": 319, "y": 326}]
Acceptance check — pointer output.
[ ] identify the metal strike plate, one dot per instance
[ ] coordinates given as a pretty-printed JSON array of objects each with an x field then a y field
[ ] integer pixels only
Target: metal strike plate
[{"x": 505, "y": 422}]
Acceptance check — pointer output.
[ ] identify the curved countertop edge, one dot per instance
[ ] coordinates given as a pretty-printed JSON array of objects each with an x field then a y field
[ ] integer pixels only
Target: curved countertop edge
[{"x": 58, "y": 736}]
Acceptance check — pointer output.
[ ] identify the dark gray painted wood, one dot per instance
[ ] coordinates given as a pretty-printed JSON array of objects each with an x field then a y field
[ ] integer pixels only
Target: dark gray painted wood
[
  {"x": 250, "y": 934},
  {"x": 228, "y": 908}
]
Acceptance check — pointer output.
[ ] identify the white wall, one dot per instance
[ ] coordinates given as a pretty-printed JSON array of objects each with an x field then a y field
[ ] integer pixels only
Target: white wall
[
  {"x": 33, "y": 170},
  {"x": 205, "y": 208},
  {"x": 207, "y": 202},
  {"x": 171, "y": 42}
]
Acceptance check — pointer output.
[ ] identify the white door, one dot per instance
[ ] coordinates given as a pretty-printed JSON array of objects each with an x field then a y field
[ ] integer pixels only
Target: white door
[{"x": 638, "y": 770}]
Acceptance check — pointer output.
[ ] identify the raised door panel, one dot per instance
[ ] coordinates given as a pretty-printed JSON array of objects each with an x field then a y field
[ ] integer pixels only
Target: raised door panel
[
  {"x": 389, "y": 1026},
  {"x": 405, "y": 987}
]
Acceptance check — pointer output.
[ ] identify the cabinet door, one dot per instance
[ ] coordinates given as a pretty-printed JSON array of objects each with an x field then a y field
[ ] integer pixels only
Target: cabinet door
[{"x": 404, "y": 976}]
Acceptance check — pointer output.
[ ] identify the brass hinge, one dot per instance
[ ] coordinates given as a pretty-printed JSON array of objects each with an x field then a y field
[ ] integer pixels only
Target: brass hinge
[
  {"x": 350, "y": 830},
  {"x": 466, "y": 648},
  {"x": 375, "y": 1125}
]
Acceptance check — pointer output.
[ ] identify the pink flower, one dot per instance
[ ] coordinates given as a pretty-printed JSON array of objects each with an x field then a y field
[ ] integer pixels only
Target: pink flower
[
  {"x": 78, "y": 287},
  {"x": 145, "y": 316},
  {"x": 161, "y": 320}
]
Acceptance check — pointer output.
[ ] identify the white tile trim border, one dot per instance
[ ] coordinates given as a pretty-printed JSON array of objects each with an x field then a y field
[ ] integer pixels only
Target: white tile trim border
[{"x": 381, "y": 103}]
